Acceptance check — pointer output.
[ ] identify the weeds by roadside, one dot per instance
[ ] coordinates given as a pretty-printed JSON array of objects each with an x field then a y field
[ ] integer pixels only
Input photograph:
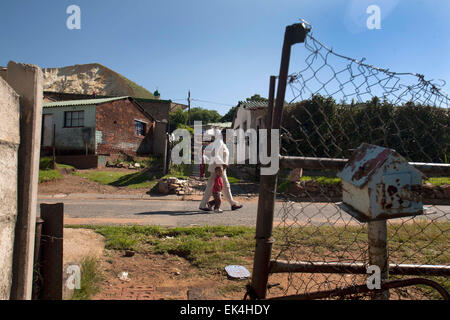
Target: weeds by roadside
[{"x": 91, "y": 277}]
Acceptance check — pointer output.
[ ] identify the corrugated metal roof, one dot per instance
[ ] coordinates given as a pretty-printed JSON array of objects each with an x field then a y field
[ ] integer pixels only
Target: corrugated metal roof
[
  {"x": 85, "y": 102},
  {"x": 254, "y": 104}
]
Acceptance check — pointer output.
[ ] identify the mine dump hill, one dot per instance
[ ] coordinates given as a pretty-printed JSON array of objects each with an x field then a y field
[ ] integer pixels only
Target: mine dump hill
[{"x": 90, "y": 78}]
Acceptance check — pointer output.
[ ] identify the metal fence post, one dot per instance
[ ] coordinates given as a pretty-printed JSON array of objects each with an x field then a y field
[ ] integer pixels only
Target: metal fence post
[
  {"x": 295, "y": 33},
  {"x": 378, "y": 253},
  {"x": 52, "y": 251}
]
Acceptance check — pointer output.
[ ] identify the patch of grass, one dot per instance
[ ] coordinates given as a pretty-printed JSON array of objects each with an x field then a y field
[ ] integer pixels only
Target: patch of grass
[
  {"x": 437, "y": 181},
  {"x": 181, "y": 171},
  {"x": 64, "y": 166},
  {"x": 46, "y": 163},
  {"x": 282, "y": 186},
  {"x": 232, "y": 180},
  {"x": 91, "y": 277},
  {"x": 323, "y": 180},
  {"x": 210, "y": 248},
  {"x": 119, "y": 179},
  {"x": 47, "y": 172},
  {"x": 49, "y": 175}
]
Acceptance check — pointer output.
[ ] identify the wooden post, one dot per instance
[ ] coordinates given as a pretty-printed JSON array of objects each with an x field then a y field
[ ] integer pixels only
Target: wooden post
[
  {"x": 52, "y": 251},
  {"x": 269, "y": 116},
  {"x": 268, "y": 183},
  {"x": 54, "y": 147}
]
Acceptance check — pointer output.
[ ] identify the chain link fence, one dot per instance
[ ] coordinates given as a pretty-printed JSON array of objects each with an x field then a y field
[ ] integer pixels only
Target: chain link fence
[{"x": 335, "y": 103}]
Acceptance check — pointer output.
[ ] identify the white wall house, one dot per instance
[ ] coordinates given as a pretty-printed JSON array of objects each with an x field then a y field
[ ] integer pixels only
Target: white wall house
[{"x": 249, "y": 115}]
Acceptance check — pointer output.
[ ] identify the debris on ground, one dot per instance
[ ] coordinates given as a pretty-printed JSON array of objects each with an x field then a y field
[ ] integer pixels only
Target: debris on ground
[
  {"x": 124, "y": 276},
  {"x": 237, "y": 272}
]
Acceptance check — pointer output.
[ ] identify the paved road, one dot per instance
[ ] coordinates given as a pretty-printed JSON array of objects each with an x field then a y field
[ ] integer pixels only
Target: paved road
[{"x": 186, "y": 213}]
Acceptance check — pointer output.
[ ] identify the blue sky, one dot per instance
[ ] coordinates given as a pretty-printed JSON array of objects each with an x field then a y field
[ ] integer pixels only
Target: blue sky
[{"x": 223, "y": 51}]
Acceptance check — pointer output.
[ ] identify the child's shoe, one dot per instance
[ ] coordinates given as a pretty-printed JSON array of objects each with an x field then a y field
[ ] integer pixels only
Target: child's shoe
[{"x": 218, "y": 210}]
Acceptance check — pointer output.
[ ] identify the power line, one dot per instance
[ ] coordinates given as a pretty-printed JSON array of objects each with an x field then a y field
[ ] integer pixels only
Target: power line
[{"x": 224, "y": 104}]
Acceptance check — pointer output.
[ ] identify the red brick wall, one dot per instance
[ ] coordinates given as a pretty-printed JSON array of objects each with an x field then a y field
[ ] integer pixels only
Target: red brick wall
[{"x": 116, "y": 122}]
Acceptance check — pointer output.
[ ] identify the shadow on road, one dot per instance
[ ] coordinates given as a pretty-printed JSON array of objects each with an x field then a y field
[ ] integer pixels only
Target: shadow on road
[{"x": 179, "y": 213}]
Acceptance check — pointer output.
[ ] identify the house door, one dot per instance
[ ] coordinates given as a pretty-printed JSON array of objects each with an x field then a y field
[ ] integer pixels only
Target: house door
[{"x": 47, "y": 130}]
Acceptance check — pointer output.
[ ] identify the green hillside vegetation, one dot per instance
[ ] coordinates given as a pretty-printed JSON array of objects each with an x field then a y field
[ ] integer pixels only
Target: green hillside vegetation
[{"x": 137, "y": 91}]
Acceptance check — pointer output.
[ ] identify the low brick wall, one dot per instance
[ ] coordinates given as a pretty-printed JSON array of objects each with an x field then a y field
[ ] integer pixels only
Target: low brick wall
[{"x": 79, "y": 161}]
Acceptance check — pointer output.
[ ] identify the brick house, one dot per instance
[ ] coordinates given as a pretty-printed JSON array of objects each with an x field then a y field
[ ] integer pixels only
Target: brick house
[
  {"x": 158, "y": 108},
  {"x": 87, "y": 133}
]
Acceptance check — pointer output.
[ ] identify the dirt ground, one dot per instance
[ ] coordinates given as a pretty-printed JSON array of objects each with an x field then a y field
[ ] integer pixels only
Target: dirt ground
[
  {"x": 170, "y": 277},
  {"x": 156, "y": 277},
  {"x": 150, "y": 276},
  {"x": 81, "y": 243}
]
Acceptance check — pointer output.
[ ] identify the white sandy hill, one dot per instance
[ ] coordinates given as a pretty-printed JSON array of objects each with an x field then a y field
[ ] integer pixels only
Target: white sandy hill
[{"x": 90, "y": 78}]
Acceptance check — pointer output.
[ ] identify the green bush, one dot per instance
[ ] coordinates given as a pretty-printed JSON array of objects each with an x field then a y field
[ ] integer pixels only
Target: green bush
[
  {"x": 46, "y": 163},
  {"x": 319, "y": 127}
]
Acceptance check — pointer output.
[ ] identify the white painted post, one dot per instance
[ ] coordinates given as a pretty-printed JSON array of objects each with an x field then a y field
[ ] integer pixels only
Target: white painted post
[{"x": 378, "y": 253}]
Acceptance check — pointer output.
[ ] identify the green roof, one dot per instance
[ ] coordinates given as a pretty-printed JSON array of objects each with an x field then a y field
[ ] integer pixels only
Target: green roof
[{"x": 86, "y": 102}]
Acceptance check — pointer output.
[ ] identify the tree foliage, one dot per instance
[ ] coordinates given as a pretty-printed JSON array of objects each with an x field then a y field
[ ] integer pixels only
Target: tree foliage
[
  {"x": 319, "y": 127},
  {"x": 256, "y": 97},
  {"x": 180, "y": 117},
  {"x": 229, "y": 116}
]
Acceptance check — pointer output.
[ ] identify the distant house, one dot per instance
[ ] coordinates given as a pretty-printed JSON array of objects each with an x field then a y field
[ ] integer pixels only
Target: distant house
[
  {"x": 98, "y": 129},
  {"x": 250, "y": 114},
  {"x": 177, "y": 106}
]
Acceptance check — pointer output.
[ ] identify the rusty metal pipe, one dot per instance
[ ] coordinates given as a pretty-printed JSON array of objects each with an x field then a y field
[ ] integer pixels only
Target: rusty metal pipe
[
  {"x": 385, "y": 286},
  {"x": 355, "y": 268},
  {"x": 289, "y": 162},
  {"x": 268, "y": 183}
]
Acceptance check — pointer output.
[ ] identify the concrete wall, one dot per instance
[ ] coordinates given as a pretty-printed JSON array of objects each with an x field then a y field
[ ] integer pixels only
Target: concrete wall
[
  {"x": 3, "y": 73},
  {"x": 160, "y": 138},
  {"x": 115, "y": 128},
  {"x": 71, "y": 140},
  {"x": 249, "y": 116},
  {"x": 26, "y": 80},
  {"x": 9, "y": 145}
]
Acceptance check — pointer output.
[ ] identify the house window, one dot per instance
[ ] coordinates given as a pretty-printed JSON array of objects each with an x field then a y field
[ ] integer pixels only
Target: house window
[
  {"x": 140, "y": 128},
  {"x": 73, "y": 119}
]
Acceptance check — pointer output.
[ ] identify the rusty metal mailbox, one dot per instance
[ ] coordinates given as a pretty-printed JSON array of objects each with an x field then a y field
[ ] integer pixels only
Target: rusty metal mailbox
[{"x": 378, "y": 184}]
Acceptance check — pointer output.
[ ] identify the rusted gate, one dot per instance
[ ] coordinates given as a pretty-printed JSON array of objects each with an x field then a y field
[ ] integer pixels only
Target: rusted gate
[{"x": 307, "y": 246}]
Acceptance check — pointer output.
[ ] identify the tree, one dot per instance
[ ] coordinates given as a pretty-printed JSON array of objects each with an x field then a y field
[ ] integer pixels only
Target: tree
[
  {"x": 228, "y": 117},
  {"x": 256, "y": 97},
  {"x": 204, "y": 115},
  {"x": 178, "y": 117}
]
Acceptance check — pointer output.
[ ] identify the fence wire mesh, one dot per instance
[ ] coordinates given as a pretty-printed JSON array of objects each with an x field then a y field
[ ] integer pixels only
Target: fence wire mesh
[{"x": 334, "y": 104}]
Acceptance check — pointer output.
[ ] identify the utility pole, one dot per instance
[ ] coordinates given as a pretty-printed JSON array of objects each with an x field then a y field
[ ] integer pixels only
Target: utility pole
[{"x": 189, "y": 107}]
